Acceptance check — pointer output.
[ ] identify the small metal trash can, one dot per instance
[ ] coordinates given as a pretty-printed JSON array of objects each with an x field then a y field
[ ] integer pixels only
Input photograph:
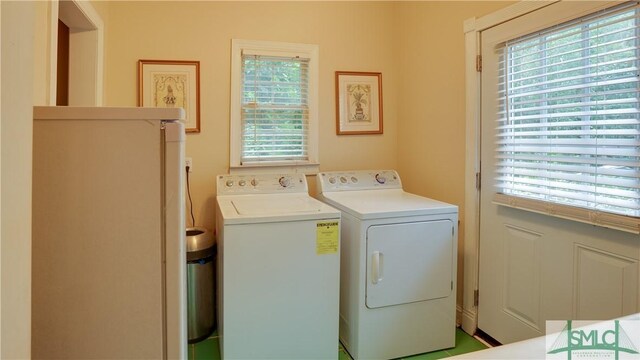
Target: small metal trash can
[{"x": 201, "y": 251}]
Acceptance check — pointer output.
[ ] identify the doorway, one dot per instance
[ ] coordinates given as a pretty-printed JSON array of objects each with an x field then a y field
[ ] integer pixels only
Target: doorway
[
  {"x": 62, "y": 75},
  {"x": 85, "y": 52}
]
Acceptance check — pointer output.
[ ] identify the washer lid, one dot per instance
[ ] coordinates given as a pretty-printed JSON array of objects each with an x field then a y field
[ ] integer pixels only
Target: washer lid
[
  {"x": 258, "y": 208},
  {"x": 375, "y": 204},
  {"x": 259, "y": 205}
]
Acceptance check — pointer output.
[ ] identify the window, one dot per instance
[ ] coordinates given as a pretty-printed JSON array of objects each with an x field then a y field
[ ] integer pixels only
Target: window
[
  {"x": 274, "y": 106},
  {"x": 569, "y": 127}
]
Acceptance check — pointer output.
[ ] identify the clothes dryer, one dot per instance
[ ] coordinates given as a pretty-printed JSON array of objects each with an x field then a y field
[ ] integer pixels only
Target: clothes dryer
[
  {"x": 398, "y": 265},
  {"x": 278, "y": 269}
]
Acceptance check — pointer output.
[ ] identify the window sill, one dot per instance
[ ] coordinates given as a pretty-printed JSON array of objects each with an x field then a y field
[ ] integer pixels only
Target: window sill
[
  {"x": 257, "y": 168},
  {"x": 593, "y": 217}
]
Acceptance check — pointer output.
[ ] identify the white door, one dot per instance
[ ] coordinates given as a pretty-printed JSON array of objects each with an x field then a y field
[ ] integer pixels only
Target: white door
[
  {"x": 409, "y": 262},
  {"x": 536, "y": 267}
]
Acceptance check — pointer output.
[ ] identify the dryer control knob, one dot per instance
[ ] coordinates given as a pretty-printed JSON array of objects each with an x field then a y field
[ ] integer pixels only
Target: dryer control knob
[
  {"x": 381, "y": 179},
  {"x": 332, "y": 180},
  {"x": 343, "y": 179},
  {"x": 254, "y": 182},
  {"x": 354, "y": 179},
  {"x": 284, "y": 182},
  {"x": 229, "y": 183},
  {"x": 242, "y": 183}
]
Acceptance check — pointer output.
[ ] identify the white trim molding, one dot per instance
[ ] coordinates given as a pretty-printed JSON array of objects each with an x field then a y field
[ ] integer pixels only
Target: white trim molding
[
  {"x": 471, "y": 194},
  {"x": 86, "y": 57}
]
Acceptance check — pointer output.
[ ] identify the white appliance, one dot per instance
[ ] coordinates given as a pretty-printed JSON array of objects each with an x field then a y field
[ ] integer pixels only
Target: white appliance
[
  {"x": 278, "y": 269},
  {"x": 398, "y": 265},
  {"x": 108, "y": 234}
]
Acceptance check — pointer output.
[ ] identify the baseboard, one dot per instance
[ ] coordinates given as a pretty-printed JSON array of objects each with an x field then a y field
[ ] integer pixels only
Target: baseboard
[{"x": 469, "y": 322}]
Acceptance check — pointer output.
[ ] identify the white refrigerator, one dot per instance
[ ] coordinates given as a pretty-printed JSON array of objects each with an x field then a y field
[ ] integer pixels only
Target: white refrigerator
[{"x": 108, "y": 248}]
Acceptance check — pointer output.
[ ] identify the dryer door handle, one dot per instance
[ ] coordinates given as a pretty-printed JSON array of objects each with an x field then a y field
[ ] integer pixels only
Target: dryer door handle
[{"x": 377, "y": 266}]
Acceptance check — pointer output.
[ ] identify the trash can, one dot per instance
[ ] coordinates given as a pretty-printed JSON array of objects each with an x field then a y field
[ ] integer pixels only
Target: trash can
[{"x": 201, "y": 251}]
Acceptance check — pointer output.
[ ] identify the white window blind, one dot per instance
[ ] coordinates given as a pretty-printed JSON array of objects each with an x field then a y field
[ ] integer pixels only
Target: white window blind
[
  {"x": 568, "y": 128},
  {"x": 274, "y": 108}
]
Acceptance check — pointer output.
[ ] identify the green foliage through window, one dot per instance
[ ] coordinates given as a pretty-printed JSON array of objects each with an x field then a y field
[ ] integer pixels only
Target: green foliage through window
[
  {"x": 569, "y": 126},
  {"x": 275, "y": 112}
]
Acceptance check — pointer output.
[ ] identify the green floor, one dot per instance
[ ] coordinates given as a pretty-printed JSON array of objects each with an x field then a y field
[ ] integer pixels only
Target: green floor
[{"x": 209, "y": 350}]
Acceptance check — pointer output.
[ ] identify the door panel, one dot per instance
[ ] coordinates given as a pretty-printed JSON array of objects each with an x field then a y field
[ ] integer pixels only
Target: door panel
[
  {"x": 536, "y": 267},
  {"x": 604, "y": 278},
  {"x": 522, "y": 275},
  {"x": 409, "y": 262}
]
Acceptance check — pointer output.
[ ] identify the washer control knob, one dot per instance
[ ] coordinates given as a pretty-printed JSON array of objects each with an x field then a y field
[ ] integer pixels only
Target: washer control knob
[
  {"x": 354, "y": 179},
  {"x": 229, "y": 183},
  {"x": 380, "y": 179},
  {"x": 332, "y": 180},
  {"x": 254, "y": 182},
  {"x": 242, "y": 183},
  {"x": 343, "y": 179},
  {"x": 284, "y": 182}
]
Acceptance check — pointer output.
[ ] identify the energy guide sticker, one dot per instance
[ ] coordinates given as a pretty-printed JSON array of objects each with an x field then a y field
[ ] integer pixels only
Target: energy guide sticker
[{"x": 327, "y": 236}]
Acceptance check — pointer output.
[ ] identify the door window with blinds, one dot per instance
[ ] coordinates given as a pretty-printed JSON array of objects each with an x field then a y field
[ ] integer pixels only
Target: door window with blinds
[
  {"x": 568, "y": 131},
  {"x": 274, "y": 105}
]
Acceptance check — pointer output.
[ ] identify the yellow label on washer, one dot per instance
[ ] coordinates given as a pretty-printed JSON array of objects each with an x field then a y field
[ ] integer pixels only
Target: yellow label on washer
[{"x": 327, "y": 237}]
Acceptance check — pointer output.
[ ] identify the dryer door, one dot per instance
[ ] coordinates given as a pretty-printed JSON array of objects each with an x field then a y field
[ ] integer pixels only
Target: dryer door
[{"x": 409, "y": 262}]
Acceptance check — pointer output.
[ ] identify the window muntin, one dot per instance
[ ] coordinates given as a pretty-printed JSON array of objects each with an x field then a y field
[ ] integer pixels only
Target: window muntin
[{"x": 569, "y": 128}]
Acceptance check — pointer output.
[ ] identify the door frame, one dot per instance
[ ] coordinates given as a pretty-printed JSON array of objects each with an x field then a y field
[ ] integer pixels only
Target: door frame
[
  {"x": 472, "y": 28},
  {"x": 86, "y": 52},
  {"x": 473, "y": 64}
]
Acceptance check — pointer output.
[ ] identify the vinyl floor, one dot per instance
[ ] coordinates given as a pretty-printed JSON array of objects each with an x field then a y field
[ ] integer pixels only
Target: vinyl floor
[{"x": 209, "y": 350}]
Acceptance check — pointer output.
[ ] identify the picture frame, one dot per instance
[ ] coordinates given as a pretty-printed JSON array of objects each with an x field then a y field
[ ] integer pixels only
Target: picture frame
[
  {"x": 171, "y": 83},
  {"x": 358, "y": 103}
]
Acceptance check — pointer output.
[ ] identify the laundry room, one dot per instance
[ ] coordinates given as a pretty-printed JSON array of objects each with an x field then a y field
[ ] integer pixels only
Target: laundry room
[{"x": 419, "y": 63}]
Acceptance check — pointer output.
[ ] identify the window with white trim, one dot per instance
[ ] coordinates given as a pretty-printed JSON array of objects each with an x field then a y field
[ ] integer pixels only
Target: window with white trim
[
  {"x": 274, "y": 115},
  {"x": 569, "y": 126}
]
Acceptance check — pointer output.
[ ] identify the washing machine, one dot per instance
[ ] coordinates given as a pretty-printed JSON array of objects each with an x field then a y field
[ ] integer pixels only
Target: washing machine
[
  {"x": 398, "y": 265},
  {"x": 278, "y": 269}
]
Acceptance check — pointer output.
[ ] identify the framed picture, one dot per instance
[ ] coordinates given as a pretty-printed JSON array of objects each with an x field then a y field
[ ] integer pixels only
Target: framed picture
[
  {"x": 358, "y": 103},
  {"x": 171, "y": 83}
]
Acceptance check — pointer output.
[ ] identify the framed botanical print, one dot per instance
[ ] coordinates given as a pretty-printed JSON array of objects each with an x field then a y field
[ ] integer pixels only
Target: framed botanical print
[
  {"x": 358, "y": 103},
  {"x": 171, "y": 83}
]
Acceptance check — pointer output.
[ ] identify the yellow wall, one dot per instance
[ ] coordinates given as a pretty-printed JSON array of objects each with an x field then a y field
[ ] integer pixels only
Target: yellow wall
[
  {"x": 42, "y": 51},
  {"x": 418, "y": 47},
  {"x": 17, "y": 32},
  {"x": 431, "y": 130},
  {"x": 352, "y": 36}
]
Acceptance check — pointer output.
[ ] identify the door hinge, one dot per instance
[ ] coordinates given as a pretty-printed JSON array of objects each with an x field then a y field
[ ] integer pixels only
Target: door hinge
[
  {"x": 479, "y": 63},
  {"x": 478, "y": 179},
  {"x": 476, "y": 297}
]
